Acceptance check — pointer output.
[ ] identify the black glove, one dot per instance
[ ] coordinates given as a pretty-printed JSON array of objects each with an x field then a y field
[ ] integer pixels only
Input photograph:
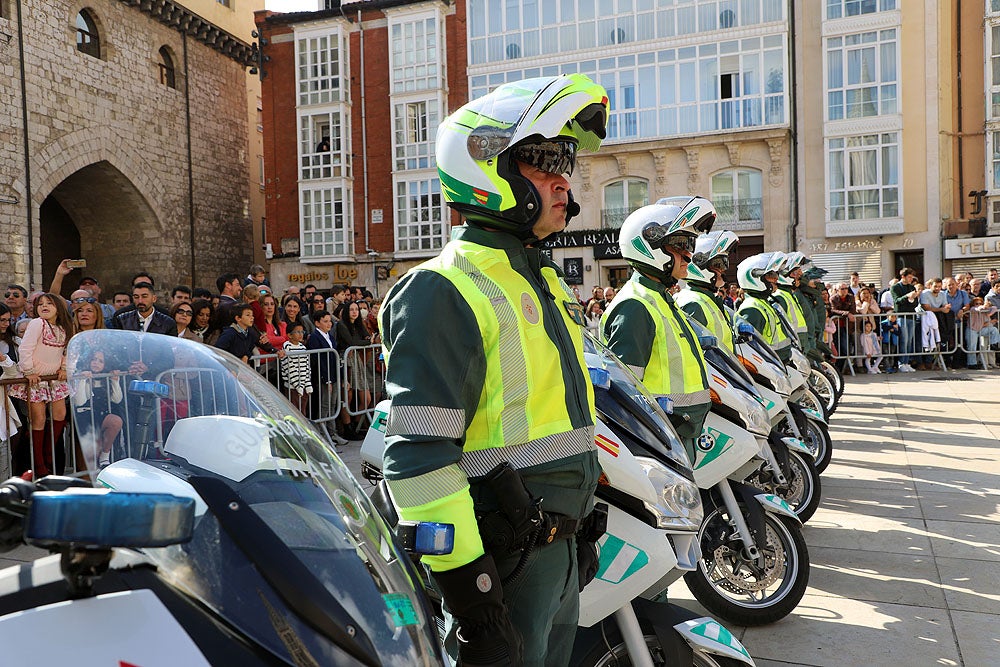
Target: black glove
[
  {"x": 15, "y": 495},
  {"x": 473, "y": 595},
  {"x": 587, "y": 562}
]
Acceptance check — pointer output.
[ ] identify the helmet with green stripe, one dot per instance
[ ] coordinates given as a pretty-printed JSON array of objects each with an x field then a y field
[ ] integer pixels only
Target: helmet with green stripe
[
  {"x": 751, "y": 271},
  {"x": 793, "y": 260},
  {"x": 672, "y": 222},
  {"x": 711, "y": 255},
  {"x": 542, "y": 122}
]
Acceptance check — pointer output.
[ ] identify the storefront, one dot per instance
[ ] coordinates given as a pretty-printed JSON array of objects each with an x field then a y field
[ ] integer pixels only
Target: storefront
[{"x": 975, "y": 255}]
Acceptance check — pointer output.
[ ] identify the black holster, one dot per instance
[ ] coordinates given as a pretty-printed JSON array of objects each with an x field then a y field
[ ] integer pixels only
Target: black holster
[{"x": 592, "y": 527}]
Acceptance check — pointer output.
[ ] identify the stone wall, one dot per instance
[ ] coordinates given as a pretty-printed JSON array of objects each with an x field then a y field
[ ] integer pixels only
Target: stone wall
[{"x": 110, "y": 143}]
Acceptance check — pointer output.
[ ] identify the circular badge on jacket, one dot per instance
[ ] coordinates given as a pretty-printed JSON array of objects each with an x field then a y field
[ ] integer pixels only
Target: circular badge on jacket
[
  {"x": 484, "y": 583},
  {"x": 529, "y": 309}
]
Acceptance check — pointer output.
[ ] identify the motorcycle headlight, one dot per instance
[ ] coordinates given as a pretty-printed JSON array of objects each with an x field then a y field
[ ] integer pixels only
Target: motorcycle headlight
[
  {"x": 781, "y": 384},
  {"x": 679, "y": 507},
  {"x": 757, "y": 419}
]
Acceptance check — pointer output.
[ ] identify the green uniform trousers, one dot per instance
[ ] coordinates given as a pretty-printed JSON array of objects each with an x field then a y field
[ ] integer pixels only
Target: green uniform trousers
[{"x": 544, "y": 604}]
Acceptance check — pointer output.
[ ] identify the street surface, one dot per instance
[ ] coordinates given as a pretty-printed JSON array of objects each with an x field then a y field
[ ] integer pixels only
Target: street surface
[{"x": 905, "y": 546}]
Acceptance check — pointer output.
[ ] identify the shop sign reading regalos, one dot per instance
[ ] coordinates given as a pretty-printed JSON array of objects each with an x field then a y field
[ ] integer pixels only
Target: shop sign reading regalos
[
  {"x": 340, "y": 274},
  {"x": 985, "y": 246}
]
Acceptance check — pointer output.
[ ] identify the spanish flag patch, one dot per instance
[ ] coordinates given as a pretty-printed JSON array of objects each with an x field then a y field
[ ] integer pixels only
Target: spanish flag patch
[{"x": 481, "y": 195}]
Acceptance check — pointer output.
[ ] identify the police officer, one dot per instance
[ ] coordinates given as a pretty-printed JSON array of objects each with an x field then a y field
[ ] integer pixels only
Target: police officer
[
  {"x": 758, "y": 276},
  {"x": 706, "y": 274},
  {"x": 790, "y": 300},
  {"x": 485, "y": 368},
  {"x": 644, "y": 326}
]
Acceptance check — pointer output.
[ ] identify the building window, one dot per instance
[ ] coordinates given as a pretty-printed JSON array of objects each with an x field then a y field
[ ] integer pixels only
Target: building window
[
  {"x": 861, "y": 75},
  {"x": 736, "y": 194},
  {"x": 415, "y": 56},
  {"x": 836, "y": 9},
  {"x": 325, "y": 221},
  {"x": 420, "y": 215},
  {"x": 621, "y": 198},
  {"x": 319, "y": 74},
  {"x": 167, "y": 77},
  {"x": 994, "y": 68},
  {"x": 996, "y": 160},
  {"x": 994, "y": 6},
  {"x": 224, "y": 3},
  {"x": 863, "y": 176},
  {"x": 321, "y": 146},
  {"x": 87, "y": 39},
  {"x": 260, "y": 171},
  {"x": 416, "y": 125},
  {"x": 260, "y": 115}
]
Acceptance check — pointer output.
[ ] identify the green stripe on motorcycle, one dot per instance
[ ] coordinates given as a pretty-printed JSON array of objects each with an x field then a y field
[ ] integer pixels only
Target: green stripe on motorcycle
[
  {"x": 717, "y": 633},
  {"x": 619, "y": 560},
  {"x": 710, "y": 445}
]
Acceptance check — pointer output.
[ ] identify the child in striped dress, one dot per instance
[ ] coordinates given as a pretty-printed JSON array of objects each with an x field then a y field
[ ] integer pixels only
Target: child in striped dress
[{"x": 296, "y": 368}]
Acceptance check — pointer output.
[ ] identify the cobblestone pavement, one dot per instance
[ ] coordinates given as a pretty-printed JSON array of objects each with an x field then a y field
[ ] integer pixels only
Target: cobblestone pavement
[{"x": 905, "y": 546}]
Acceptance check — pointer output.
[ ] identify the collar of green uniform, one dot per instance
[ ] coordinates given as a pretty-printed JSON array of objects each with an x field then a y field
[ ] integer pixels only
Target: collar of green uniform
[
  {"x": 490, "y": 239},
  {"x": 654, "y": 285}
]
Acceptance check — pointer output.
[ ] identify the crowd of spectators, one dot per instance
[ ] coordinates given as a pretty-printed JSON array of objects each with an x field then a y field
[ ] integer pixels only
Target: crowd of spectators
[{"x": 282, "y": 336}]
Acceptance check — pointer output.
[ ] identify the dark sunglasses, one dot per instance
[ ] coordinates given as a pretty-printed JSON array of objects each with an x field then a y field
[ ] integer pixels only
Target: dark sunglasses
[
  {"x": 84, "y": 299},
  {"x": 718, "y": 263},
  {"x": 184, "y": 311},
  {"x": 553, "y": 157},
  {"x": 657, "y": 238},
  {"x": 10, "y": 294}
]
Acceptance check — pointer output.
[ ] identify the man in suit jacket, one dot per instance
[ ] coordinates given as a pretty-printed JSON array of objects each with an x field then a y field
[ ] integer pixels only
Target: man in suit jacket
[
  {"x": 325, "y": 370},
  {"x": 144, "y": 317}
]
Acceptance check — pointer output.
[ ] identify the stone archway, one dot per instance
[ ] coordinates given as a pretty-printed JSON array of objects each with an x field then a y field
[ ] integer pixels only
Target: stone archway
[{"x": 98, "y": 214}]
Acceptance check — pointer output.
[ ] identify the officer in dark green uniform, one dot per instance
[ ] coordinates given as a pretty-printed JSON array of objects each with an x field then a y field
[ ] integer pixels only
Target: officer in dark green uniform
[{"x": 492, "y": 420}]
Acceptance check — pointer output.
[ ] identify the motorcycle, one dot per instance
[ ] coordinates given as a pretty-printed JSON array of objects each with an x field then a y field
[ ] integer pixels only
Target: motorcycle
[
  {"x": 654, "y": 512},
  {"x": 223, "y": 530},
  {"x": 767, "y": 370}
]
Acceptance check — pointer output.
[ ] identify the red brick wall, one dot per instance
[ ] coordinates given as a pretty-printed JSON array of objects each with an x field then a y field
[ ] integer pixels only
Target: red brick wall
[{"x": 280, "y": 148}]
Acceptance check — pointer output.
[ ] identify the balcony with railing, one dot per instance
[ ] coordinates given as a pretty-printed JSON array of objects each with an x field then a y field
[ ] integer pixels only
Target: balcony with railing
[
  {"x": 738, "y": 214},
  {"x": 612, "y": 218}
]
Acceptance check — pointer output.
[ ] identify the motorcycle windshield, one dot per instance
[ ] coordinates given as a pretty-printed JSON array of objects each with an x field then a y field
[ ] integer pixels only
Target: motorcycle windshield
[
  {"x": 315, "y": 572},
  {"x": 632, "y": 406}
]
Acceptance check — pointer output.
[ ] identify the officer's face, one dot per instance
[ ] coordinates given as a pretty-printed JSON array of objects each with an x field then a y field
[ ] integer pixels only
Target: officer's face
[
  {"x": 554, "y": 192},
  {"x": 680, "y": 270}
]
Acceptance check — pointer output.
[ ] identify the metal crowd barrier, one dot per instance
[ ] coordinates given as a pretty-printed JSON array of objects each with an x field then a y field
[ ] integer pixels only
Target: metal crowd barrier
[
  {"x": 907, "y": 346},
  {"x": 17, "y": 436}
]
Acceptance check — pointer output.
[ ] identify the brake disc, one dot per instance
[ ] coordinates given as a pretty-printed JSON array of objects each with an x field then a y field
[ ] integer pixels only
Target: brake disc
[{"x": 742, "y": 575}]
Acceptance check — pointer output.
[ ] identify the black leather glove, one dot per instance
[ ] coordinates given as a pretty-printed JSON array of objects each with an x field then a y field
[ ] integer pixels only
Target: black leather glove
[
  {"x": 587, "y": 561},
  {"x": 15, "y": 495},
  {"x": 474, "y": 596}
]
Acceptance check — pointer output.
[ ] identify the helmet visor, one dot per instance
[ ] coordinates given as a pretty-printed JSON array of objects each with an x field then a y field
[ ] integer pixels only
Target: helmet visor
[
  {"x": 657, "y": 238},
  {"x": 718, "y": 263},
  {"x": 553, "y": 157}
]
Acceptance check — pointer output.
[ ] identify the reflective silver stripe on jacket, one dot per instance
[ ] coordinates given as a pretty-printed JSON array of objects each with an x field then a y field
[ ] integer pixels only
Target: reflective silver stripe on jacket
[
  {"x": 425, "y": 420},
  {"x": 426, "y": 488},
  {"x": 480, "y": 462},
  {"x": 694, "y": 398},
  {"x": 513, "y": 369}
]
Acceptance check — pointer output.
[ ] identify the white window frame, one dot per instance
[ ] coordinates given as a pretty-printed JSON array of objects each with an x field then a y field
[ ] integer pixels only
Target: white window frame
[
  {"x": 414, "y": 70},
  {"x": 845, "y": 6},
  {"x": 415, "y": 152},
  {"x": 426, "y": 227},
  {"x": 612, "y": 216},
  {"x": 315, "y": 164},
  {"x": 835, "y": 46},
  {"x": 321, "y": 66},
  {"x": 882, "y": 141},
  {"x": 736, "y": 202},
  {"x": 326, "y": 234}
]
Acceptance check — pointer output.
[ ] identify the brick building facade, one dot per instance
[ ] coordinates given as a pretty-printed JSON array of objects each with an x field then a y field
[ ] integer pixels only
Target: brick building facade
[
  {"x": 352, "y": 97},
  {"x": 133, "y": 152}
]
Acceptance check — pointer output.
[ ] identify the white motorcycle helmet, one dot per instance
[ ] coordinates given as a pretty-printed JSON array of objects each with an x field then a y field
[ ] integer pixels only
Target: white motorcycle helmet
[
  {"x": 674, "y": 222},
  {"x": 751, "y": 271},
  {"x": 711, "y": 252},
  {"x": 793, "y": 260},
  {"x": 542, "y": 122}
]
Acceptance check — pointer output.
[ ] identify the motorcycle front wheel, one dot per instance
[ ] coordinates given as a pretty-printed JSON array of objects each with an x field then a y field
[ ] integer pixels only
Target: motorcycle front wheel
[
  {"x": 817, "y": 439},
  {"x": 821, "y": 384},
  {"x": 740, "y": 590},
  {"x": 836, "y": 377},
  {"x": 803, "y": 491},
  {"x": 810, "y": 399}
]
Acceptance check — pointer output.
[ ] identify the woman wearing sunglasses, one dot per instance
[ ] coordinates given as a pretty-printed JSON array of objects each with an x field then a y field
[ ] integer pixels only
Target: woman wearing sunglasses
[{"x": 183, "y": 314}]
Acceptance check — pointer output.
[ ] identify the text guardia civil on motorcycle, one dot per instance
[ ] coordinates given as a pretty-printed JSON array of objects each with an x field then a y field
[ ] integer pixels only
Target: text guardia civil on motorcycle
[{"x": 223, "y": 532}]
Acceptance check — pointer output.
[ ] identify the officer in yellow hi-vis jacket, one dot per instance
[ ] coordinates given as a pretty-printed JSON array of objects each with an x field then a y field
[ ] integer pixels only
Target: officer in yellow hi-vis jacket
[
  {"x": 492, "y": 420},
  {"x": 643, "y": 325}
]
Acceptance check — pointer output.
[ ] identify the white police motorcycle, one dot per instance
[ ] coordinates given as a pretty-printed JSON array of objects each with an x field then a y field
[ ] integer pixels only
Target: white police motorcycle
[
  {"x": 223, "y": 532},
  {"x": 654, "y": 512}
]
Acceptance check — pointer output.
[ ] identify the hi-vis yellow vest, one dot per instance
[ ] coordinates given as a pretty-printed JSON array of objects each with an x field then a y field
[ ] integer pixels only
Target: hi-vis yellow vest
[
  {"x": 792, "y": 309},
  {"x": 522, "y": 415},
  {"x": 717, "y": 322},
  {"x": 676, "y": 365},
  {"x": 773, "y": 334}
]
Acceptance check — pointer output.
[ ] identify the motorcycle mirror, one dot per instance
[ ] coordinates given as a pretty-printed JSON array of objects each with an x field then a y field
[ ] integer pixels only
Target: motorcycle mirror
[
  {"x": 105, "y": 518},
  {"x": 600, "y": 378}
]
